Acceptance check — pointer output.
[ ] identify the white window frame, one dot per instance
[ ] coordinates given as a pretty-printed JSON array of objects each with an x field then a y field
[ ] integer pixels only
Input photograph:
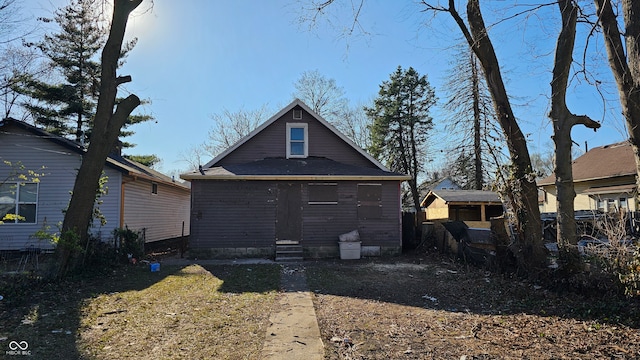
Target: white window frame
[
  {"x": 305, "y": 128},
  {"x": 17, "y": 202}
]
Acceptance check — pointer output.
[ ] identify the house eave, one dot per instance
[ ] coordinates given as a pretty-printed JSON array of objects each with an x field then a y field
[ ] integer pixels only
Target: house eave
[
  {"x": 190, "y": 177},
  {"x": 137, "y": 176}
]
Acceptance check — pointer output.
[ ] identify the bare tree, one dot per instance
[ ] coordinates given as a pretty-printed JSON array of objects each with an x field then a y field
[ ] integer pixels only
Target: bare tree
[
  {"x": 542, "y": 163},
  {"x": 563, "y": 121},
  {"x": 624, "y": 65},
  {"x": 471, "y": 119},
  {"x": 15, "y": 62},
  {"x": 322, "y": 94},
  {"x": 107, "y": 125},
  {"x": 328, "y": 100},
  {"x": 195, "y": 156},
  {"x": 522, "y": 193},
  {"x": 14, "y": 59},
  {"x": 355, "y": 125},
  {"x": 229, "y": 127}
]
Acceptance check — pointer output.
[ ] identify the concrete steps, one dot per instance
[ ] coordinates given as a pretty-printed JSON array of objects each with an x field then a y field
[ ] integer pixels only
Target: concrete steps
[{"x": 288, "y": 250}]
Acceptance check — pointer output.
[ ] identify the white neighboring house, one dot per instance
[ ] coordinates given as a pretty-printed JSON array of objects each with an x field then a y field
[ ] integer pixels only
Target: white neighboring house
[{"x": 137, "y": 197}]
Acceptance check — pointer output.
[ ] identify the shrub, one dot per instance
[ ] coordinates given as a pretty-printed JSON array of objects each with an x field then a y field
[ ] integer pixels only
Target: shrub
[{"x": 129, "y": 243}]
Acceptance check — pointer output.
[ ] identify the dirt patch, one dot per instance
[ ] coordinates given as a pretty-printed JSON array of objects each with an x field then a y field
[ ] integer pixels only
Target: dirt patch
[{"x": 431, "y": 307}]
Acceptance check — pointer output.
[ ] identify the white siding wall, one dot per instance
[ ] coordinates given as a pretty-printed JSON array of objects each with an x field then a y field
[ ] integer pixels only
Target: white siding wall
[
  {"x": 162, "y": 214},
  {"x": 110, "y": 206},
  {"x": 60, "y": 171}
]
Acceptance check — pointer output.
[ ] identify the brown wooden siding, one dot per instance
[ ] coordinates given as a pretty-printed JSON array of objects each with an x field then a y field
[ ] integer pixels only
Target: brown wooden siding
[
  {"x": 227, "y": 214},
  {"x": 271, "y": 142},
  {"x": 232, "y": 214},
  {"x": 323, "y": 223}
]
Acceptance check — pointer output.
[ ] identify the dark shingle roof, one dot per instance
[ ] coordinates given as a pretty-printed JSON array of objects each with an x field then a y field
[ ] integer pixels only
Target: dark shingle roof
[
  {"x": 311, "y": 166},
  {"x": 467, "y": 195}
]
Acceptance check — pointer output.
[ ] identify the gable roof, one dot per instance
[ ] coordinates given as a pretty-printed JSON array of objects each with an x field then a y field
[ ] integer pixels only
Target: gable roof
[
  {"x": 293, "y": 104},
  {"x": 462, "y": 196},
  {"x": 115, "y": 161},
  {"x": 601, "y": 162}
]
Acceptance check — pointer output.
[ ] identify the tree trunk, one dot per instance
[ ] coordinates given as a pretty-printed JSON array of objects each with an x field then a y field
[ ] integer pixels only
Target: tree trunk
[
  {"x": 107, "y": 125},
  {"x": 529, "y": 249},
  {"x": 625, "y": 67},
  {"x": 477, "y": 144}
]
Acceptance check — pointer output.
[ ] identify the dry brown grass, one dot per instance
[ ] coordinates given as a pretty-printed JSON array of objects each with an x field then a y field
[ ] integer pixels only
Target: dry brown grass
[
  {"x": 432, "y": 308},
  {"x": 400, "y": 308},
  {"x": 195, "y": 312}
]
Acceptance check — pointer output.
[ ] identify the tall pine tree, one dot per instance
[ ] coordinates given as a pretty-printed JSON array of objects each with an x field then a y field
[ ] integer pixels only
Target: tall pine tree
[
  {"x": 401, "y": 123},
  {"x": 66, "y": 108},
  {"x": 66, "y": 105}
]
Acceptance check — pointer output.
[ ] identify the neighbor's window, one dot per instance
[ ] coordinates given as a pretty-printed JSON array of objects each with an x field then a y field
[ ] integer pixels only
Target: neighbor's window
[
  {"x": 600, "y": 204},
  {"x": 18, "y": 202},
  {"x": 297, "y": 140},
  {"x": 623, "y": 203},
  {"x": 154, "y": 188},
  {"x": 323, "y": 193},
  {"x": 369, "y": 201}
]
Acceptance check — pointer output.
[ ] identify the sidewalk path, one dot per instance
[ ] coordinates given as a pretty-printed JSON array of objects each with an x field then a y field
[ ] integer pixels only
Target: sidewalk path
[{"x": 294, "y": 332}]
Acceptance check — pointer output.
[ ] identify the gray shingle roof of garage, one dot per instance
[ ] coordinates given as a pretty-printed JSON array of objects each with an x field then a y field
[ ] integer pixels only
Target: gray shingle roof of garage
[{"x": 467, "y": 195}]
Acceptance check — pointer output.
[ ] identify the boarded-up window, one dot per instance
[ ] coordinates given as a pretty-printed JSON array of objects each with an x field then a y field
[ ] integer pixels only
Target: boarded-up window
[
  {"x": 369, "y": 201},
  {"x": 323, "y": 193}
]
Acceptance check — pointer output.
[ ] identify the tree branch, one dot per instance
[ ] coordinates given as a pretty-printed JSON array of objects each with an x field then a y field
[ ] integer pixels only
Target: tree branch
[
  {"x": 586, "y": 121},
  {"x": 123, "y": 79}
]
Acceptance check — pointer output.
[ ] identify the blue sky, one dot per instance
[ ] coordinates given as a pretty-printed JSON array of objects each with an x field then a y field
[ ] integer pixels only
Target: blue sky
[{"x": 195, "y": 58}]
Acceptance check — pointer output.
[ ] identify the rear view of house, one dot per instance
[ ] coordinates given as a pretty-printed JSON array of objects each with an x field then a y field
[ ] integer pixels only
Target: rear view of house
[{"x": 294, "y": 179}]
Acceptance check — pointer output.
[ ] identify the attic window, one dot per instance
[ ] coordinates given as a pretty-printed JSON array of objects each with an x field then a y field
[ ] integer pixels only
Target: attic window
[
  {"x": 297, "y": 114},
  {"x": 297, "y": 140},
  {"x": 154, "y": 188}
]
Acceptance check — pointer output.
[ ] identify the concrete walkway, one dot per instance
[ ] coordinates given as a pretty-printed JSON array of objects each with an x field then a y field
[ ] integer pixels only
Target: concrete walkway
[{"x": 294, "y": 332}]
